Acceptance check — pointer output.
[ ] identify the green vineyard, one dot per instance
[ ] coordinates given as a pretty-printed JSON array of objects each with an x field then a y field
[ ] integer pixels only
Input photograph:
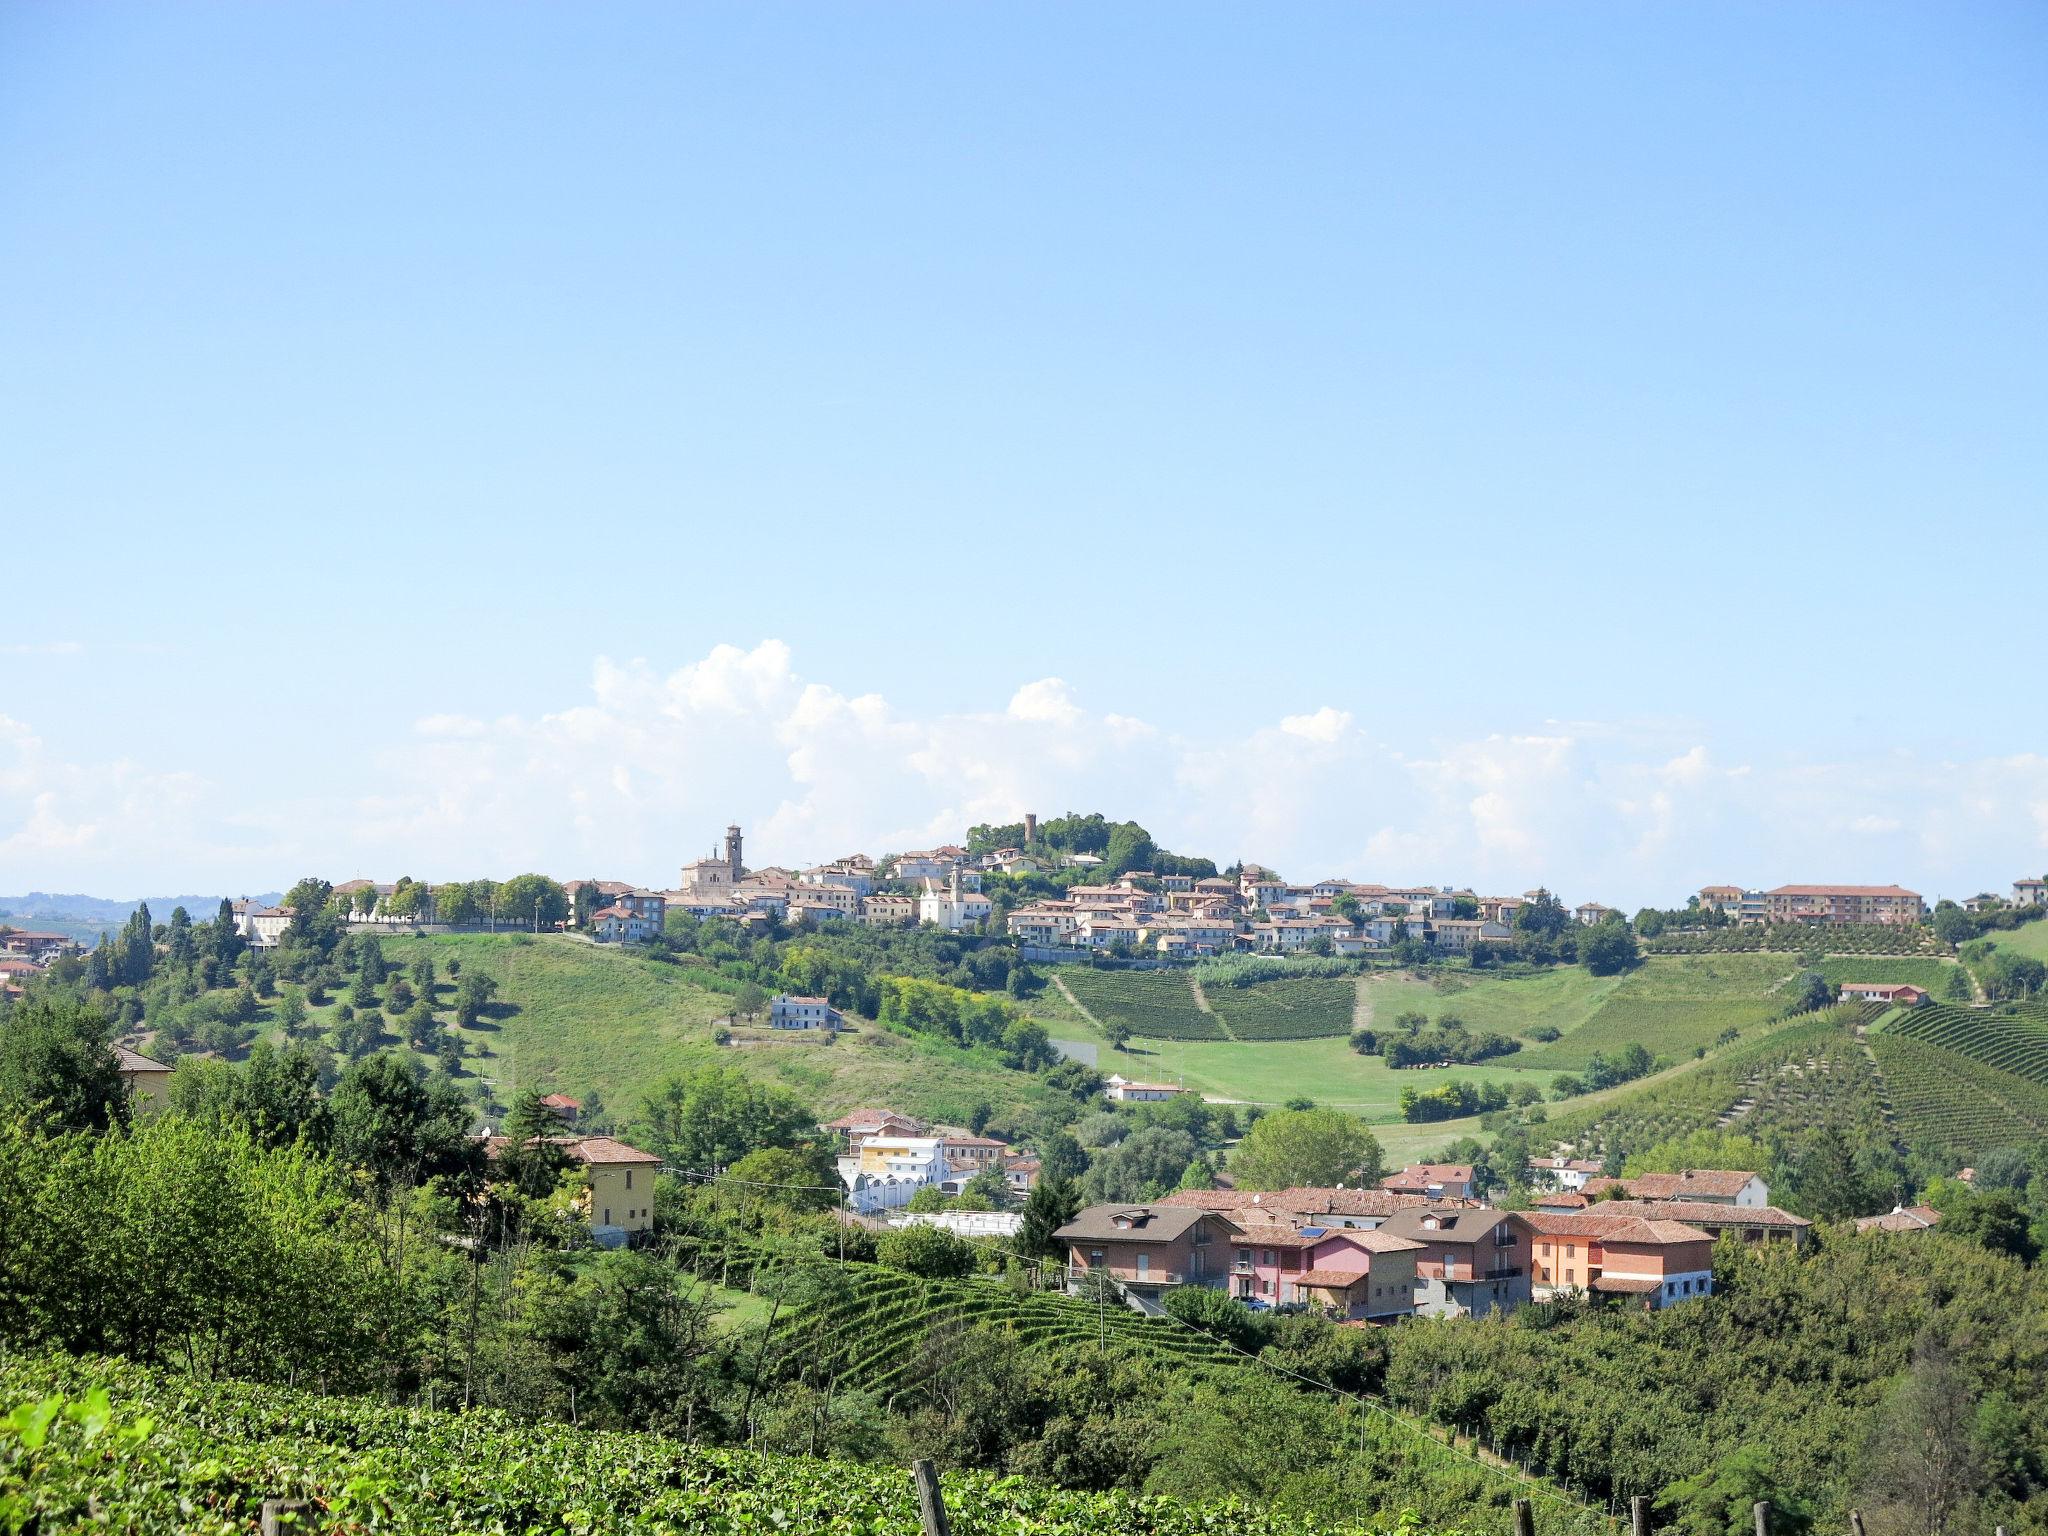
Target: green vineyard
[
  {"x": 1157, "y": 1004},
  {"x": 92, "y": 1445},
  {"x": 1796, "y": 938},
  {"x": 1809, "y": 1075},
  {"x": 870, "y": 1333},
  {"x": 2011, "y": 1039},
  {"x": 1942, "y": 1098},
  {"x": 1298, "y": 1008}
]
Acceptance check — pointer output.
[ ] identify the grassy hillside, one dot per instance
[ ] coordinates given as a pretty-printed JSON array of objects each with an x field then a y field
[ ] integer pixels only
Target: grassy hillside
[
  {"x": 1673, "y": 1007},
  {"x": 571, "y": 1017}
]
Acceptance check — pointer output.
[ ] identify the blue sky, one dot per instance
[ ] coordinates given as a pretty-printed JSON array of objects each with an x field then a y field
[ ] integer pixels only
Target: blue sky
[{"x": 451, "y": 439}]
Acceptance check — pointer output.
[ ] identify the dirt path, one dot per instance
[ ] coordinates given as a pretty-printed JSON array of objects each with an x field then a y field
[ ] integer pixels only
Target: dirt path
[
  {"x": 1068, "y": 993},
  {"x": 1361, "y": 1003},
  {"x": 1202, "y": 1003}
]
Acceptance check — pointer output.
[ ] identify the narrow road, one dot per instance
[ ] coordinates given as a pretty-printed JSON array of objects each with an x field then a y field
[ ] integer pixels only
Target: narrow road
[{"x": 1068, "y": 993}]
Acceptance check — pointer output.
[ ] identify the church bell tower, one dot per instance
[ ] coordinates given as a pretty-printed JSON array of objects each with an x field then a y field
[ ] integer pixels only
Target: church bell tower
[{"x": 732, "y": 854}]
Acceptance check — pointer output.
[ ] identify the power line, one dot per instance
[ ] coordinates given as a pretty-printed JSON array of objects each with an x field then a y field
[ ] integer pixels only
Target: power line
[{"x": 1366, "y": 1402}]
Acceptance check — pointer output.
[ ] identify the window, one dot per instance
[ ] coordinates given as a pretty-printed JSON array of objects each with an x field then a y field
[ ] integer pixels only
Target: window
[
  {"x": 629, "y": 1178},
  {"x": 1570, "y": 1275},
  {"x": 1144, "y": 1264}
]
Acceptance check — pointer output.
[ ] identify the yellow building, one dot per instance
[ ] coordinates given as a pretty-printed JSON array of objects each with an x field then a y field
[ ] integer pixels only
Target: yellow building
[
  {"x": 621, "y": 1192},
  {"x": 149, "y": 1082}
]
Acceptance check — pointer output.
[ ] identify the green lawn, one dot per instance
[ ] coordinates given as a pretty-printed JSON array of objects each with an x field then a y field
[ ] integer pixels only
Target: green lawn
[
  {"x": 2030, "y": 939},
  {"x": 572, "y": 1017},
  {"x": 1562, "y": 997}
]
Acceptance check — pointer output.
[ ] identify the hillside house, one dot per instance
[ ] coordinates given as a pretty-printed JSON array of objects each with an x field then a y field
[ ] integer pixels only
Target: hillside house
[
  {"x": 1899, "y": 993},
  {"x": 2030, "y": 893},
  {"x": 621, "y": 924},
  {"x": 1900, "y": 1218},
  {"x": 618, "y": 1195},
  {"x": 1718, "y": 1186},
  {"x": 38, "y": 947},
  {"x": 1434, "y": 1181},
  {"x": 882, "y": 1173},
  {"x": 261, "y": 926},
  {"x": 1124, "y": 1091},
  {"x": 1592, "y": 913},
  {"x": 565, "y": 1109},
  {"x": 1562, "y": 1173},
  {"x": 786, "y": 1011},
  {"x": 1652, "y": 1262},
  {"x": 149, "y": 1082},
  {"x": 1358, "y": 1275},
  {"x": 1471, "y": 1260},
  {"x": 1461, "y": 935},
  {"x": 1148, "y": 1249},
  {"x": 888, "y": 911},
  {"x": 854, "y": 1128}
]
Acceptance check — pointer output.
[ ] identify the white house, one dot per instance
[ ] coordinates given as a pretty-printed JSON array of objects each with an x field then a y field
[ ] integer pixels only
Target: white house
[
  {"x": 262, "y": 926},
  {"x": 619, "y": 924},
  {"x": 885, "y": 1171},
  {"x": 2030, "y": 893},
  {"x": 1124, "y": 1091},
  {"x": 952, "y": 908},
  {"x": 1591, "y": 913},
  {"x": 789, "y": 1012}
]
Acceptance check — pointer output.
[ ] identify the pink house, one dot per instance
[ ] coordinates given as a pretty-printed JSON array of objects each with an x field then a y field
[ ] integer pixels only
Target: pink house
[{"x": 1355, "y": 1273}]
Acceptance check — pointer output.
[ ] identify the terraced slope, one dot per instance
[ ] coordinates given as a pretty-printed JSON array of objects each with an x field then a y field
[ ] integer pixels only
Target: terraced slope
[
  {"x": 876, "y": 1327},
  {"x": 2011, "y": 1039},
  {"x": 1940, "y": 1097}
]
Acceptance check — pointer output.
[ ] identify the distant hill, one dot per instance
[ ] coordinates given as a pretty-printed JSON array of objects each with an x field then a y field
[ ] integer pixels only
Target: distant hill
[{"x": 86, "y": 917}]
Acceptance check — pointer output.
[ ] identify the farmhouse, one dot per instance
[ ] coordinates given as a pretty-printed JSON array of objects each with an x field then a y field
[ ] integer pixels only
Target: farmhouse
[
  {"x": 788, "y": 1012},
  {"x": 1717, "y": 1186},
  {"x": 1124, "y": 1091},
  {"x": 1904, "y": 994}
]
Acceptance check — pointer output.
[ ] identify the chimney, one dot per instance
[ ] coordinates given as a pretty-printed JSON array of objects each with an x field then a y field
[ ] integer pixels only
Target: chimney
[{"x": 1030, "y": 828}]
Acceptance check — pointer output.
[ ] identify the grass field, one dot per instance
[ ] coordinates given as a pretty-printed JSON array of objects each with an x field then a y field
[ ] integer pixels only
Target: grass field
[
  {"x": 572, "y": 1017},
  {"x": 1563, "y": 998},
  {"x": 2030, "y": 939}
]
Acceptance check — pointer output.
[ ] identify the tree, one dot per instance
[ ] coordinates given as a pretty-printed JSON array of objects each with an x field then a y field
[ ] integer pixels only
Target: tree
[
  {"x": 291, "y": 1009},
  {"x": 1924, "y": 1467},
  {"x": 1052, "y": 1203},
  {"x": 1061, "y": 1158},
  {"x": 801, "y": 1178},
  {"x": 1718, "y": 1501},
  {"x": 1143, "y": 1166},
  {"x": 926, "y": 1200},
  {"x": 399, "y": 1127},
  {"x": 1706, "y": 1148},
  {"x": 473, "y": 994},
  {"x": 1219, "y": 1315},
  {"x": 532, "y": 900},
  {"x": 1811, "y": 992},
  {"x": 534, "y": 1158},
  {"x": 931, "y": 1253},
  {"x": 1609, "y": 947},
  {"x": 748, "y": 1002},
  {"x": 714, "y": 1116},
  {"x": 58, "y": 1070},
  {"x": 1994, "y": 1220},
  {"x": 1319, "y": 1147}
]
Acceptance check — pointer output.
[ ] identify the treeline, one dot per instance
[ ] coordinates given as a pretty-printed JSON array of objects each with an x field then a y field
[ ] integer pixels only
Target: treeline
[
  {"x": 1123, "y": 846},
  {"x": 1413, "y": 1041}
]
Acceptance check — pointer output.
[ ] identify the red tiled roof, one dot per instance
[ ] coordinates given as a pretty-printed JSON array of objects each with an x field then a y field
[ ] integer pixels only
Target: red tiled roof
[
  {"x": 1841, "y": 890},
  {"x": 1331, "y": 1279},
  {"x": 1704, "y": 1213},
  {"x": 1726, "y": 1182}
]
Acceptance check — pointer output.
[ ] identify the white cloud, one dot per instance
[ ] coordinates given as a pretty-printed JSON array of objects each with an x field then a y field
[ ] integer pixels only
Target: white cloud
[
  {"x": 647, "y": 767},
  {"x": 1325, "y": 725}
]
